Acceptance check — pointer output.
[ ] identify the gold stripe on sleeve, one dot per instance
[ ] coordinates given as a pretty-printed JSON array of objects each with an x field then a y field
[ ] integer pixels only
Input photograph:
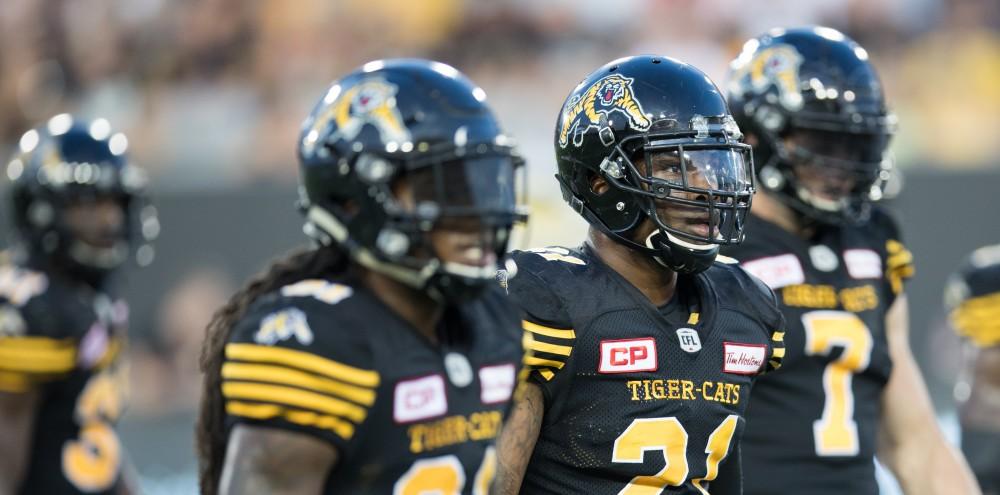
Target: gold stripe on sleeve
[
  {"x": 548, "y": 331},
  {"x": 305, "y": 418},
  {"x": 545, "y": 363},
  {"x": 14, "y": 382},
  {"x": 536, "y": 345},
  {"x": 304, "y": 361},
  {"x": 280, "y": 375},
  {"x": 293, "y": 397},
  {"x": 40, "y": 360}
]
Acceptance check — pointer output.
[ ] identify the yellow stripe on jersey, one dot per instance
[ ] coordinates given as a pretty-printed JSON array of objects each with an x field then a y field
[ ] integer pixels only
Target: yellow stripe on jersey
[
  {"x": 14, "y": 382},
  {"x": 305, "y": 418},
  {"x": 777, "y": 350},
  {"x": 289, "y": 396},
  {"x": 693, "y": 319},
  {"x": 536, "y": 345},
  {"x": 555, "y": 351},
  {"x": 899, "y": 264},
  {"x": 303, "y": 361},
  {"x": 280, "y": 375},
  {"x": 978, "y": 319},
  {"x": 548, "y": 331},
  {"x": 37, "y": 355},
  {"x": 548, "y": 363}
]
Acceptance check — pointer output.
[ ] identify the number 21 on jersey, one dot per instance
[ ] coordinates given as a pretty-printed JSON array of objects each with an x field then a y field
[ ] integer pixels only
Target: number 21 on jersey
[
  {"x": 836, "y": 432},
  {"x": 669, "y": 436},
  {"x": 444, "y": 475}
]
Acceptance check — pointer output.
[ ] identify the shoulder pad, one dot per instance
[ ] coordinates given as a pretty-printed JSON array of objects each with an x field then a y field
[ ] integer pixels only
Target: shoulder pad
[
  {"x": 536, "y": 285},
  {"x": 322, "y": 290},
  {"x": 288, "y": 315}
]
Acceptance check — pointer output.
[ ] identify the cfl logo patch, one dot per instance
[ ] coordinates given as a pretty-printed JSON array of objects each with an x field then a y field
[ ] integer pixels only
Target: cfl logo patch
[{"x": 628, "y": 355}]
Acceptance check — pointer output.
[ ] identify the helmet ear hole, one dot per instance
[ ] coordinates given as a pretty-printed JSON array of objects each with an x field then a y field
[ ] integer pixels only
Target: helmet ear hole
[{"x": 598, "y": 185}]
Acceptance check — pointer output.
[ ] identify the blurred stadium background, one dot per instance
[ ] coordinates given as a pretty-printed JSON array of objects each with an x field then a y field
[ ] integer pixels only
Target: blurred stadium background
[{"x": 211, "y": 94}]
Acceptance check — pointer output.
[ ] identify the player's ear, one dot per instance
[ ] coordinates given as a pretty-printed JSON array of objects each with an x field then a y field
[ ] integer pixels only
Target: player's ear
[{"x": 598, "y": 185}]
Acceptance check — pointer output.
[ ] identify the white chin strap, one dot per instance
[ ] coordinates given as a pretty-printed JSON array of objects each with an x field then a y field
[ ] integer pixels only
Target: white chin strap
[
  {"x": 828, "y": 205},
  {"x": 96, "y": 257},
  {"x": 470, "y": 271},
  {"x": 675, "y": 240},
  {"x": 688, "y": 244},
  {"x": 414, "y": 278}
]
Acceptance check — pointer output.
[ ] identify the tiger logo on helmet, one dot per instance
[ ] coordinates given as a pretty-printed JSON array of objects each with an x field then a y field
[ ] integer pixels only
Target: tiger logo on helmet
[
  {"x": 776, "y": 66},
  {"x": 370, "y": 102},
  {"x": 609, "y": 94}
]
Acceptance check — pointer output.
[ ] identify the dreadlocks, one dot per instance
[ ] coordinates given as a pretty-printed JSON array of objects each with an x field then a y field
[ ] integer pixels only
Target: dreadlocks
[{"x": 211, "y": 431}]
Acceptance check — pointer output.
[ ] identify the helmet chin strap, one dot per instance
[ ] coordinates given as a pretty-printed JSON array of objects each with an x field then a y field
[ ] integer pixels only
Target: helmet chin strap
[
  {"x": 653, "y": 242},
  {"x": 823, "y": 204},
  {"x": 98, "y": 258},
  {"x": 423, "y": 278},
  {"x": 687, "y": 257}
]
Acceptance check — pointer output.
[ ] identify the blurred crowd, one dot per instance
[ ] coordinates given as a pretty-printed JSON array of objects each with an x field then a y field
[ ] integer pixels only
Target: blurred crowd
[{"x": 211, "y": 92}]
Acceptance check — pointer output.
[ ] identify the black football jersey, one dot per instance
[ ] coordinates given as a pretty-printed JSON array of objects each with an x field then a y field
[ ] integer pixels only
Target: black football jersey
[
  {"x": 973, "y": 297},
  {"x": 812, "y": 426},
  {"x": 329, "y": 359},
  {"x": 639, "y": 399},
  {"x": 65, "y": 341}
]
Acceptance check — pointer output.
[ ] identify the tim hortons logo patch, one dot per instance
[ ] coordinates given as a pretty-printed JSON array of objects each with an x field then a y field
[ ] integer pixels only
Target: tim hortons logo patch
[
  {"x": 863, "y": 263},
  {"x": 777, "y": 271},
  {"x": 497, "y": 383},
  {"x": 743, "y": 359}
]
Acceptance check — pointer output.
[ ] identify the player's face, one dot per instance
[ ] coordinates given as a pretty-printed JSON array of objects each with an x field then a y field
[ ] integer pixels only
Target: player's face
[
  {"x": 471, "y": 201},
  {"x": 691, "y": 219},
  {"x": 689, "y": 183},
  {"x": 98, "y": 221},
  {"x": 831, "y": 165}
]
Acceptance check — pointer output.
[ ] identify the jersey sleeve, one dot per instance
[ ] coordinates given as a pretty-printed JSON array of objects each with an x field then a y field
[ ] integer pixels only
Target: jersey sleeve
[
  {"x": 772, "y": 318},
  {"x": 280, "y": 373},
  {"x": 549, "y": 337},
  {"x": 898, "y": 259},
  {"x": 33, "y": 347}
]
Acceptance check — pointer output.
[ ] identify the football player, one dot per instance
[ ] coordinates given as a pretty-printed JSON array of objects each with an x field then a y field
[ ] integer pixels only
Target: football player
[
  {"x": 79, "y": 210},
  {"x": 812, "y": 106},
  {"x": 973, "y": 299},
  {"x": 382, "y": 359},
  {"x": 641, "y": 345}
]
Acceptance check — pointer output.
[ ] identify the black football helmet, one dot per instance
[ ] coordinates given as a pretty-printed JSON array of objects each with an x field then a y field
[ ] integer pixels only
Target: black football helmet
[
  {"x": 694, "y": 180},
  {"x": 424, "y": 122},
  {"x": 69, "y": 160},
  {"x": 815, "y": 105}
]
